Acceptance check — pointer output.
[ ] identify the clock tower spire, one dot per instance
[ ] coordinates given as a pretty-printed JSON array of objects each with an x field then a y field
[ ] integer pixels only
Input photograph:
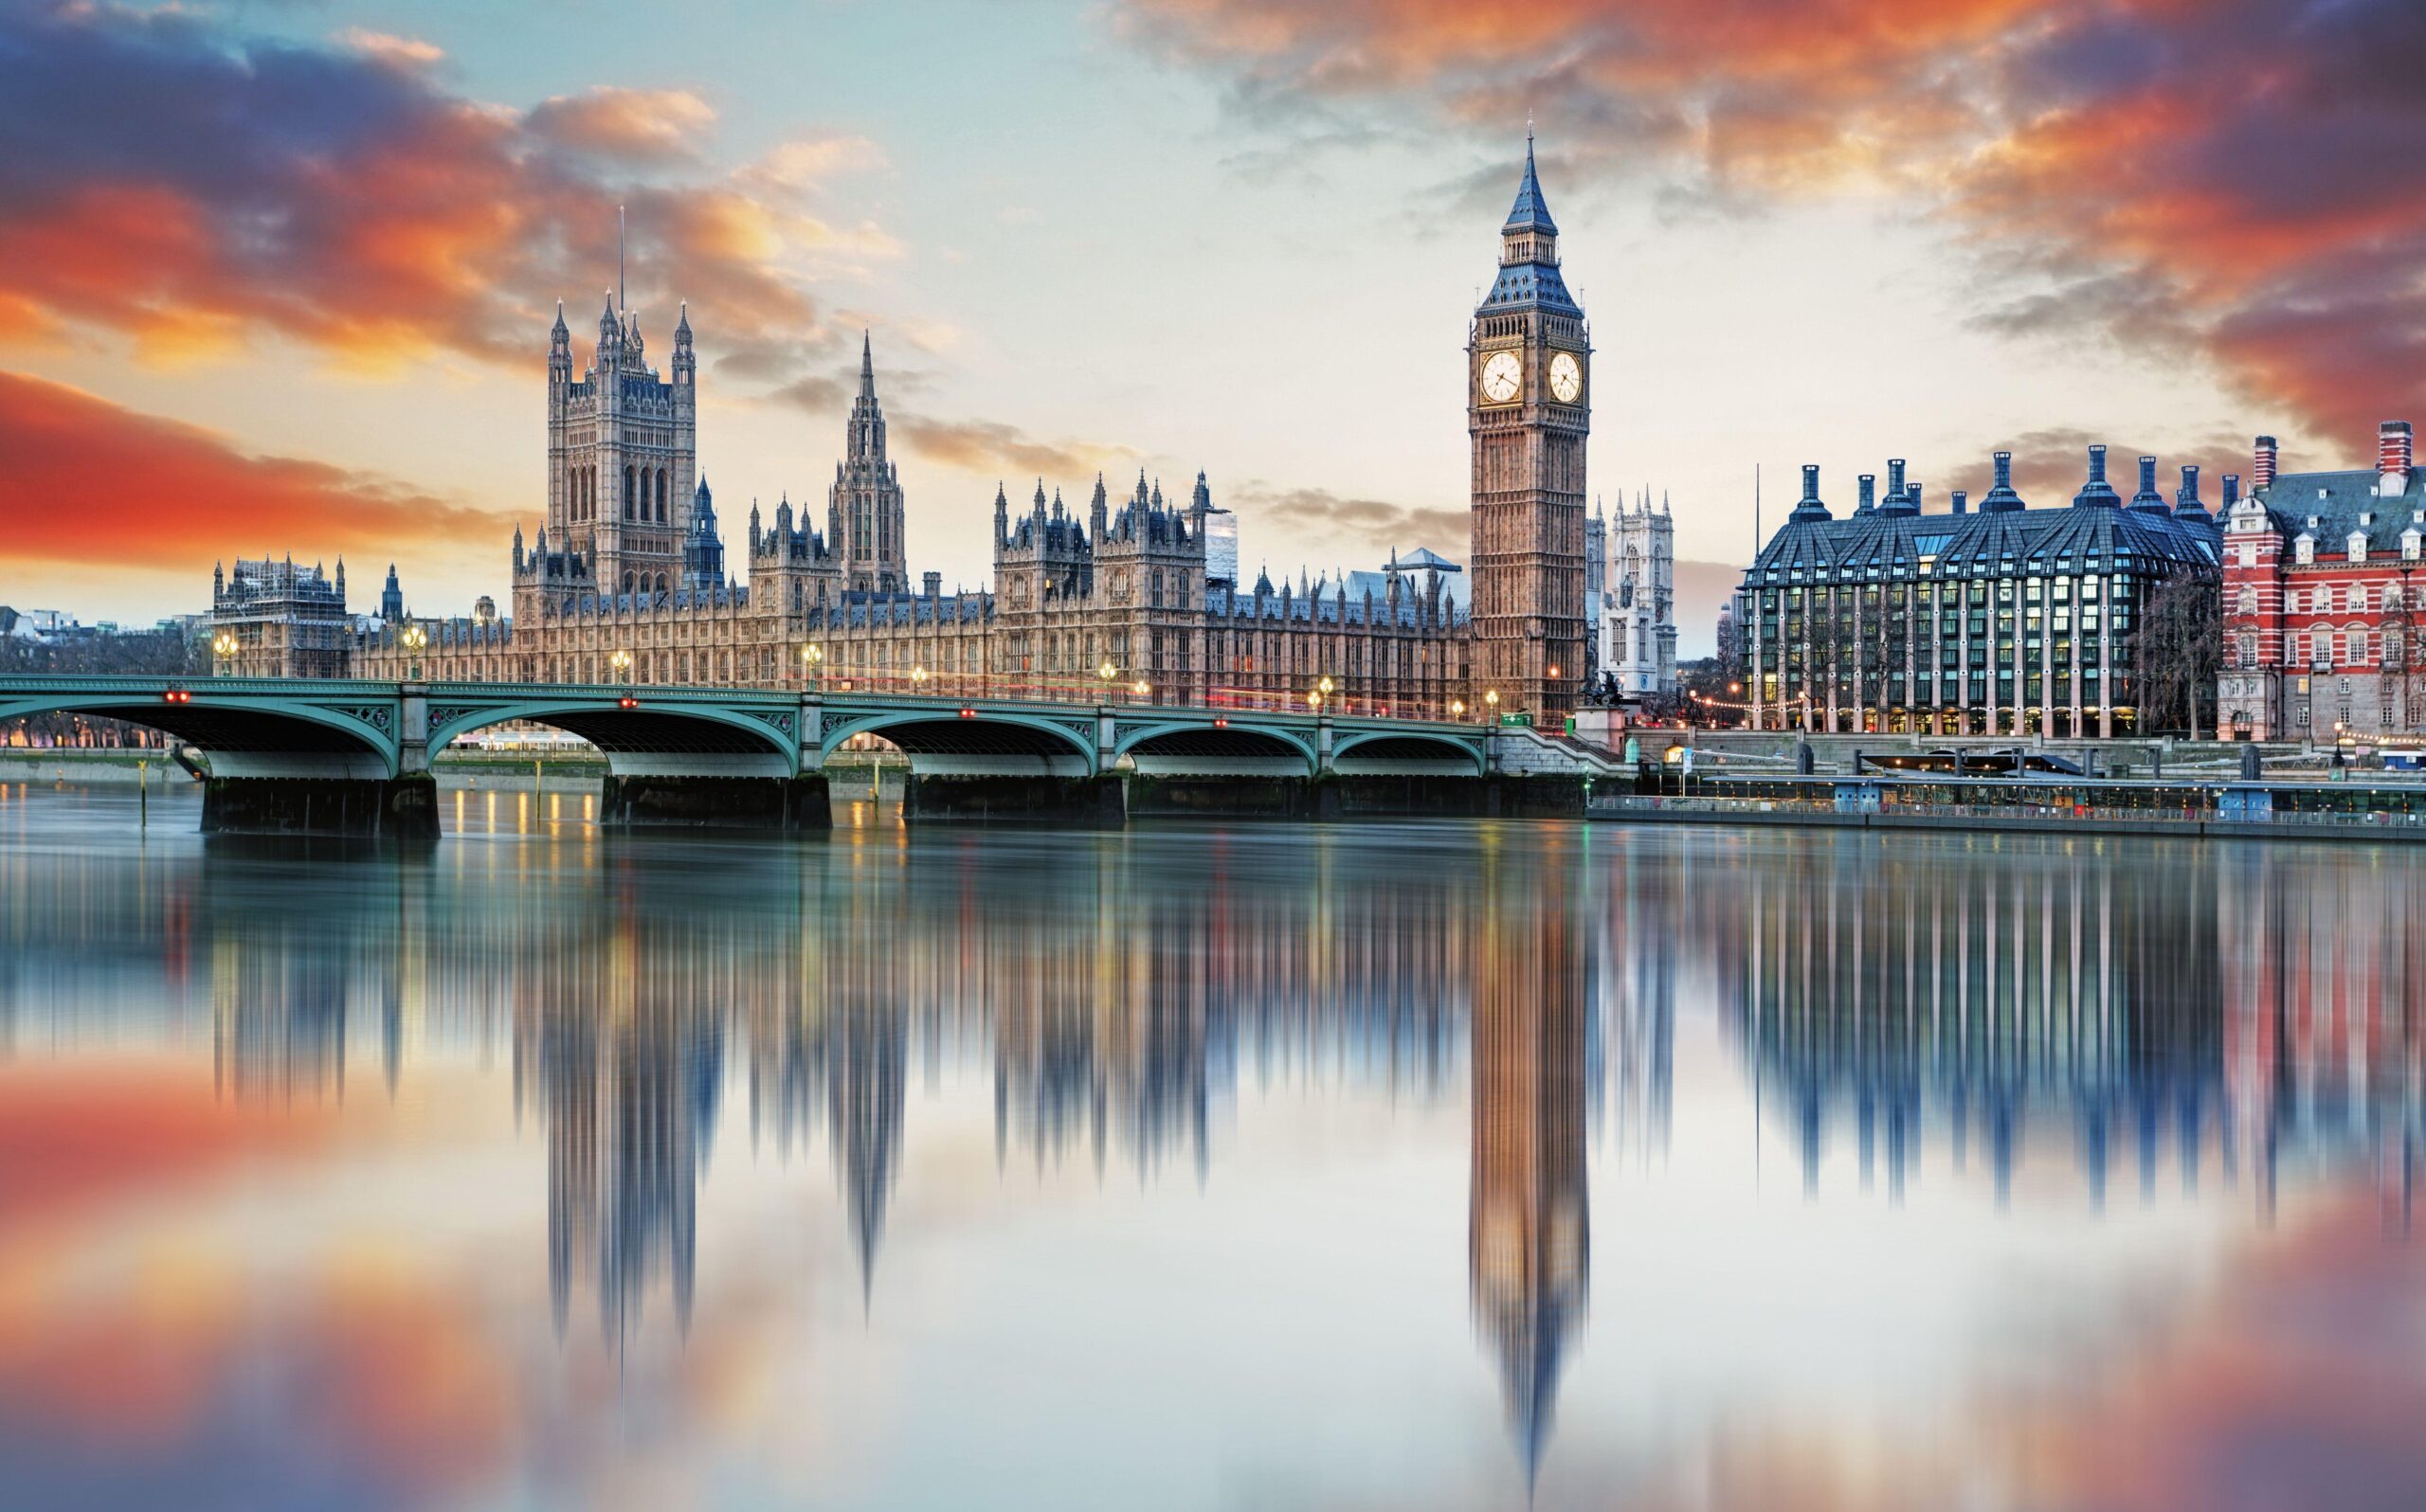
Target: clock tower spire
[{"x": 1529, "y": 352}]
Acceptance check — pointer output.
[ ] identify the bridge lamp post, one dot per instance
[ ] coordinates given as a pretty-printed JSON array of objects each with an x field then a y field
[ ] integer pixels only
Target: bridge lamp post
[
  {"x": 1457, "y": 709},
  {"x": 810, "y": 654},
  {"x": 1105, "y": 674},
  {"x": 919, "y": 678},
  {"x": 1490, "y": 698},
  {"x": 622, "y": 662},
  {"x": 222, "y": 647},
  {"x": 414, "y": 639},
  {"x": 1142, "y": 689},
  {"x": 1314, "y": 698}
]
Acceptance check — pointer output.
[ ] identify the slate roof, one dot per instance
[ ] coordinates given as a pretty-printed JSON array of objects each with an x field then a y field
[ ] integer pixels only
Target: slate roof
[
  {"x": 1324, "y": 608},
  {"x": 2064, "y": 538},
  {"x": 1532, "y": 213},
  {"x": 2338, "y": 500},
  {"x": 1528, "y": 284}
]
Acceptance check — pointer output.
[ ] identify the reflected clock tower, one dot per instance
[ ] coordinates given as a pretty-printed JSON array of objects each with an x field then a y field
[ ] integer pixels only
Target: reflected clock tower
[{"x": 1527, "y": 411}]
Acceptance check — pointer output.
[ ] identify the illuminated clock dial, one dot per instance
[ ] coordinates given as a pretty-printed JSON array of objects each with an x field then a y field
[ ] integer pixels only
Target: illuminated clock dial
[
  {"x": 1566, "y": 377},
  {"x": 1503, "y": 377}
]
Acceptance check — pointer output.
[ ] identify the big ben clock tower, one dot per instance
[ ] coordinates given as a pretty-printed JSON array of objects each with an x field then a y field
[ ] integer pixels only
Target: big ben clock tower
[{"x": 1528, "y": 408}]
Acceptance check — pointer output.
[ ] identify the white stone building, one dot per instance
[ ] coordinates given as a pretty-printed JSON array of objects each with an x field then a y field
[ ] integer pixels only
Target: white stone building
[{"x": 1637, "y": 619}]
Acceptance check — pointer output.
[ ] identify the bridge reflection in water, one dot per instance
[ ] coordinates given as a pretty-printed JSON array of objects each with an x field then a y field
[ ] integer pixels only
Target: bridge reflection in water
[{"x": 1982, "y": 1003}]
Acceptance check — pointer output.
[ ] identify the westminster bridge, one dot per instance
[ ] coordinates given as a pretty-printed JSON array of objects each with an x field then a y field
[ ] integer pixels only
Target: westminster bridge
[{"x": 353, "y": 756}]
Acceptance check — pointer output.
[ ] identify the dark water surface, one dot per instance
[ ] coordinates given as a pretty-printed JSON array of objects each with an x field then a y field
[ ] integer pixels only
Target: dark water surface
[{"x": 1406, "y": 1166}]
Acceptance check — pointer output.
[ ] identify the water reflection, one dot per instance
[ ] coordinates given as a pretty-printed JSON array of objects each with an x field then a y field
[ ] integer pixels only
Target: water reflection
[
  {"x": 1529, "y": 1223},
  {"x": 2209, "y": 1021},
  {"x": 2217, "y": 1006}
]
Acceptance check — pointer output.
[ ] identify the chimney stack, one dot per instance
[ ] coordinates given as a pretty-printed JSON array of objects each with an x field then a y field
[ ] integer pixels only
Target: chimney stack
[
  {"x": 1868, "y": 493},
  {"x": 2232, "y": 492},
  {"x": 2187, "y": 501},
  {"x": 2395, "y": 454},
  {"x": 934, "y": 584},
  {"x": 1961, "y": 502},
  {"x": 1811, "y": 483},
  {"x": 1894, "y": 477},
  {"x": 2147, "y": 498},
  {"x": 2097, "y": 463},
  {"x": 2261, "y": 469}
]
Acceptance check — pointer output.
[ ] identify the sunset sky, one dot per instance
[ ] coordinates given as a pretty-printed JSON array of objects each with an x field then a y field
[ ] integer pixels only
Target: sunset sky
[{"x": 276, "y": 277}]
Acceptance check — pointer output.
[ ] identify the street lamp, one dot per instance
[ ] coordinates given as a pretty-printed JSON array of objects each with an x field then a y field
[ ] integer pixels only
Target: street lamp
[
  {"x": 1490, "y": 697},
  {"x": 1314, "y": 698},
  {"x": 919, "y": 678},
  {"x": 1105, "y": 674},
  {"x": 223, "y": 646},
  {"x": 622, "y": 662},
  {"x": 414, "y": 639},
  {"x": 1142, "y": 688},
  {"x": 1457, "y": 709},
  {"x": 810, "y": 654}
]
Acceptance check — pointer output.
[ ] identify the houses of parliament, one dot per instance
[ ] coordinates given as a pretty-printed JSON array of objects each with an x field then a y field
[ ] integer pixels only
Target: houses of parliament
[{"x": 1116, "y": 596}]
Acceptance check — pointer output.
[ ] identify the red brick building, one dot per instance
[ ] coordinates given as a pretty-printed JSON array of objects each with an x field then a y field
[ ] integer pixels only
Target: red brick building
[{"x": 2323, "y": 623}]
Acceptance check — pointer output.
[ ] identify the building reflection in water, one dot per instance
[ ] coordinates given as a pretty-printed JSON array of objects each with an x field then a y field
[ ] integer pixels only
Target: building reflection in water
[
  {"x": 2229, "y": 1010},
  {"x": 2190, "y": 1004},
  {"x": 1529, "y": 1228}
]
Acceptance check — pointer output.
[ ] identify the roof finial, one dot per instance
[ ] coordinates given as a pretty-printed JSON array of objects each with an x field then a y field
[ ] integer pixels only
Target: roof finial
[{"x": 867, "y": 365}]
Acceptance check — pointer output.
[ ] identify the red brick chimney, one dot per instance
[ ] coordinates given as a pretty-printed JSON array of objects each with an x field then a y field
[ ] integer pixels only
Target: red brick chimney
[
  {"x": 2394, "y": 447},
  {"x": 2261, "y": 467}
]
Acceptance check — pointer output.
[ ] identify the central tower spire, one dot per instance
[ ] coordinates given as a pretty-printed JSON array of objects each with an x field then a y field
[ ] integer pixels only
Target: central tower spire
[{"x": 864, "y": 516}]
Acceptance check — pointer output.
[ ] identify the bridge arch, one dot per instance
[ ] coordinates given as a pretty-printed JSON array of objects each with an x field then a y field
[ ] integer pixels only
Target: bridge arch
[
  {"x": 1406, "y": 751},
  {"x": 245, "y": 738},
  {"x": 1199, "y": 743},
  {"x": 656, "y": 733},
  {"x": 944, "y": 740}
]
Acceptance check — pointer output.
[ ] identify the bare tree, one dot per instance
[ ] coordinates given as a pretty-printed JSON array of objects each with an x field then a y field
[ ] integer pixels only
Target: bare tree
[{"x": 2180, "y": 653}]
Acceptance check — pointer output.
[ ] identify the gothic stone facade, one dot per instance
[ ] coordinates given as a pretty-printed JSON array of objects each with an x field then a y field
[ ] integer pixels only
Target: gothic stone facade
[
  {"x": 1528, "y": 414},
  {"x": 2325, "y": 634},
  {"x": 1122, "y": 604},
  {"x": 2007, "y": 621},
  {"x": 278, "y": 621},
  {"x": 1635, "y": 556},
  {"x": 620, "y": 570}
]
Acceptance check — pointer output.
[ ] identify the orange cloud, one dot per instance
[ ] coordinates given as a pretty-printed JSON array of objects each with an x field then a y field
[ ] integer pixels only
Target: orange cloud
[
  {"x": 196, "y": 189},
  {"x": 629, "y": 124},
  {"x": 91, "y": 481},
  {"x": 2244, "y": 180}
]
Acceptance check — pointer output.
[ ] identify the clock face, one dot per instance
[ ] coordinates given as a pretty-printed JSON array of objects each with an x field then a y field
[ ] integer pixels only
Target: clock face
[
  {"x": 1566, "y": 377},
  {"x": 1503, "y": 377}
]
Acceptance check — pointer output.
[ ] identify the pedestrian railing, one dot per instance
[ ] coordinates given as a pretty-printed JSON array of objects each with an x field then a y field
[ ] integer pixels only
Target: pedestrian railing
[{"x": 1620, "y": 805}]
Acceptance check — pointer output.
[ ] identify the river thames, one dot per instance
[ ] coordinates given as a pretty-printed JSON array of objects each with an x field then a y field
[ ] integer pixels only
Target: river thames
[{"x": 1419, "y": 1165}]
